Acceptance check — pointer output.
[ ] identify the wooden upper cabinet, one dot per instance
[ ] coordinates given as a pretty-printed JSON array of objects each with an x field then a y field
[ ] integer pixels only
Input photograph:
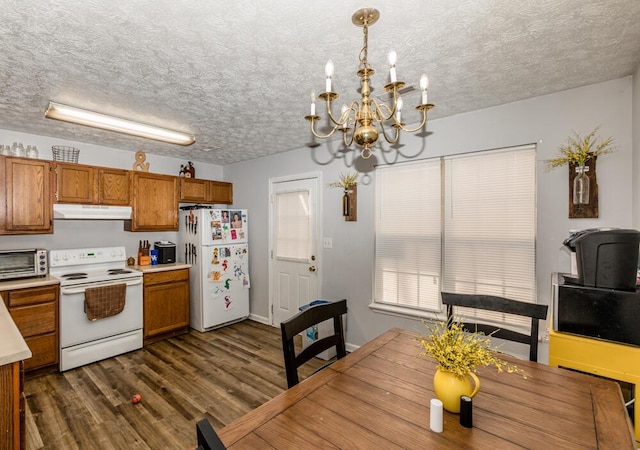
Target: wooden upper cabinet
[
  {"x": 205, "y": 191},
  {"x": 155, "y": 203},
  {"x": 75, "y": 183},
  {"x": 114, "y": 187},
  {"x": 25, "y": 199},
  {"x": 89, "y": 185}
]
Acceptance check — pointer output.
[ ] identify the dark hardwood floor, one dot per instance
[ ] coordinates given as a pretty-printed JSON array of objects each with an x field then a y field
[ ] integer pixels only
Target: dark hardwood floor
[{"x": 220, "y": 375}]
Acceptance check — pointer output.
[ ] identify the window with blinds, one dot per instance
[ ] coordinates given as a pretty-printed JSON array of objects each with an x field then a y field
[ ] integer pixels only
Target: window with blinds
[
  {"x": 293, "y": 225},
  {"x": 461, "y": 224}
]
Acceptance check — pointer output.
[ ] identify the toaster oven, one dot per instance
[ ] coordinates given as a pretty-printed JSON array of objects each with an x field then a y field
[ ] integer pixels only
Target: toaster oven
[{"x": 25, "y": 263}]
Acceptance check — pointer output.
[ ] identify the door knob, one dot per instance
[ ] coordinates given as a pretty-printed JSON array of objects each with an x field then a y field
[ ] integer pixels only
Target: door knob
[{"x": 312, "y": 268}]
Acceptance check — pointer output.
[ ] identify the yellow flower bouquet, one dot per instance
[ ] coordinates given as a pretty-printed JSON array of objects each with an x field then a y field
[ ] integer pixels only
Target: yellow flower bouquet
[{"x": 459, "y": 352}]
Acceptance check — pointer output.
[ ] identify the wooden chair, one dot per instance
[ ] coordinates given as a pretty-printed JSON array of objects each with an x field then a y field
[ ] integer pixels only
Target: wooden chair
[
  {"x": 207, "y": 437},
  {"x": 499, "y": 304},
  {"x": 306, "y": 319}
]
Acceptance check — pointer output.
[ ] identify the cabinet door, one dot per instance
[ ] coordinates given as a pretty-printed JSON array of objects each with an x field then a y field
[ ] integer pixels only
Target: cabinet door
[
  {"x": 155, "y": 203},
  {"x": 113, "y": 187},
  {"x": 220, "y": 192},
  {"x": 35, "y": 313},
  {"x": 11, "y": 407},
  {"x": 75, "y": 183},
  {"x": 193, "y": 190},
  {"x": 166, "y": 304},
  {"x": 28, "y": 196}
]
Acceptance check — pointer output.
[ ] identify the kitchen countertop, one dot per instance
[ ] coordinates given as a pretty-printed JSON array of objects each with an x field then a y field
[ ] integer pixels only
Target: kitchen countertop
[
  {"x": 161, "y": 267},
  {"x": 12, "y": 346},
  {"x": 22, "y": 283}
]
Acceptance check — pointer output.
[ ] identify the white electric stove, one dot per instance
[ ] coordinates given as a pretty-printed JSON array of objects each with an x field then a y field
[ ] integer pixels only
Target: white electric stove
[{"x": 83, "y": 341}]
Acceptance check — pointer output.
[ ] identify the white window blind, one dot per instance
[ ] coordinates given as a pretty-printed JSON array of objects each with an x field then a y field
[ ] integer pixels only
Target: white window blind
[
  {"x": 408, "y": 236},
  {"x": 461, "y": 224},
  {"x": 489, "y": 227},
  {"x": 293, "y": 225}
]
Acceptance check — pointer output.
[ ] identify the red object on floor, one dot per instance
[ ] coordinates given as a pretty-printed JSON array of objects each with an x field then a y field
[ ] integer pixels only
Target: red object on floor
[{"x": 136, "y": 398}]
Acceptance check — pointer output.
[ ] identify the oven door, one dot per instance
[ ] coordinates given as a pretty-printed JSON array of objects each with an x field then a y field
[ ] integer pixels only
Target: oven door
[{"x": 76, "y": 328}]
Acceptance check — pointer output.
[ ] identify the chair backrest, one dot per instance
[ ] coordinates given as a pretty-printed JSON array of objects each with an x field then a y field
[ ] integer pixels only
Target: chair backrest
[
  {"x": 207, "y": 437},
  {"x": 491, "y": 303},
  {"x": 306, "y": 319}
]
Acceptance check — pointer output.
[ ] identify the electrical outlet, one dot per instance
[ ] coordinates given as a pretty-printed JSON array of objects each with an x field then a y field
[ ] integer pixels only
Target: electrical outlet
[{"x": 327, "y": 243}]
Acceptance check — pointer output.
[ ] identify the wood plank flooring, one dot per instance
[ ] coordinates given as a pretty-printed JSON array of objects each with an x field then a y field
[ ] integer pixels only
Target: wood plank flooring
[{"x": 220, "y": 375}]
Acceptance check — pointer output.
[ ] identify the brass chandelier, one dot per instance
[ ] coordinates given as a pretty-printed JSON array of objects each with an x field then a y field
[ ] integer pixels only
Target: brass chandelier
[{"x": 360, "y": 121}]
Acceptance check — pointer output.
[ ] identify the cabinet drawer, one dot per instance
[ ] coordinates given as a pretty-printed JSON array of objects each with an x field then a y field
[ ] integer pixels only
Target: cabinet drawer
[
  {"x": 36, "y": 319},
  {"x": 32, "y": 296},
  {"x": 168, "y": 276},
  {"x": 44, "y": 349}
]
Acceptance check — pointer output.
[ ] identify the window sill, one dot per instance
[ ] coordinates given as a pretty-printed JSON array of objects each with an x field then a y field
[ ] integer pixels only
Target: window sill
[{"x": 407, "y": 313}]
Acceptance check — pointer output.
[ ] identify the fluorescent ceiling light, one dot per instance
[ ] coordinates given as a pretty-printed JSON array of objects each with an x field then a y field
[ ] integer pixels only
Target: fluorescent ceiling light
[{"x": 105, "y": 122}]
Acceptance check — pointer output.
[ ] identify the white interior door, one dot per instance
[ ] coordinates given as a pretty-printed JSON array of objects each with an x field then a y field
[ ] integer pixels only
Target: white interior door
[{"x": 294, "y": 245}]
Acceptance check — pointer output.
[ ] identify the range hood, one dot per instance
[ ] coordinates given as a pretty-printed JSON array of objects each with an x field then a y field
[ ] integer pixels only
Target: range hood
[{"x": 91, "y": 212}]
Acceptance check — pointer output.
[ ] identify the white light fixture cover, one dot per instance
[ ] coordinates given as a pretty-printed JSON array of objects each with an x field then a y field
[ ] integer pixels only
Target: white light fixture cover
[{"x": 105, "y": 122}]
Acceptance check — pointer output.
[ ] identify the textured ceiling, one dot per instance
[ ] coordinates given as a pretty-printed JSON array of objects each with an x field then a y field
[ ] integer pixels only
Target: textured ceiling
[{"x": 238, "y": 74}]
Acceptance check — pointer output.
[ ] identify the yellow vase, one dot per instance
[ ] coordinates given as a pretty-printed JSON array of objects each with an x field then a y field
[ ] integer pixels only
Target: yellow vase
[{"x": 449, "y": 388}]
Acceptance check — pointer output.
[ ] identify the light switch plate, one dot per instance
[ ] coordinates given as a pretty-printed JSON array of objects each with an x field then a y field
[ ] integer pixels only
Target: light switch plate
[{"x": 327, "y": 243}]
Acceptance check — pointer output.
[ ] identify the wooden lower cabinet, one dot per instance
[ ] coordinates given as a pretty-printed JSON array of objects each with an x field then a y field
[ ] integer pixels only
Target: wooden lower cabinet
[
  {"x": 35, "y": 313},
  {"x": 166, "y": 304},
  {"x": 12, "y": 430}
]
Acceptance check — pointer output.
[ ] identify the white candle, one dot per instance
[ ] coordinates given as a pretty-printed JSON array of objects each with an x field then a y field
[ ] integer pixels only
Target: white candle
[
  {"x": 399, "y": 106},
  {"x": 343, "y": 116},
  {"x": 392, "y": 66},
  {"x": 313, "y": 103},
  {"x": 424, "y": 85},
  {"x": 437, "y": 420},
  {"x": 328, "y": 70}
]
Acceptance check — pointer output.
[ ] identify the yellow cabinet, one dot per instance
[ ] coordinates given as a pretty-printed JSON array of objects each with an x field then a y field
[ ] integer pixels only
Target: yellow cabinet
[{"x": 618, "y": 362}]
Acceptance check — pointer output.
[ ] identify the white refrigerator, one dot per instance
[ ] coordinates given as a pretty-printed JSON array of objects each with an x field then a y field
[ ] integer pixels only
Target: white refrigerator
[{"x": 215, "y": 243}]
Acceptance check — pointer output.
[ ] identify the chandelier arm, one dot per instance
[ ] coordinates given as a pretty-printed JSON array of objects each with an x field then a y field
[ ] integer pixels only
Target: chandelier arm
[
  {"x": 378, "y": 110},
  {"x": 394, "y": 139},
  {"x": 413, "y": 130},
  {"x": 322, "y": 136}
]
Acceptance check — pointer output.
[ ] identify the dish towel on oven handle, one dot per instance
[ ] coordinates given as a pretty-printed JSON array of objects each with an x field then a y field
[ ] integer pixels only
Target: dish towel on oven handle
[{"x": 104, "y": 301}]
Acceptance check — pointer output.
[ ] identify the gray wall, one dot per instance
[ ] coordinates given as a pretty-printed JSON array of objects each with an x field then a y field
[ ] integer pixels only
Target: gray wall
[
  {"x": 88, "y": 233},
  {"x": 346, "y": 270}
]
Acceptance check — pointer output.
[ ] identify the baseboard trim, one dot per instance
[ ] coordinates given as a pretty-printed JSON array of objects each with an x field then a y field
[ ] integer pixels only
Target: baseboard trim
[{"x": 260, "y": 319}]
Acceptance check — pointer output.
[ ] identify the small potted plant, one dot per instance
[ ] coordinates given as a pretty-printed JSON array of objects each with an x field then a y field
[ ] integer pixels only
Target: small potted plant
[{"x": 459, "y": 354}]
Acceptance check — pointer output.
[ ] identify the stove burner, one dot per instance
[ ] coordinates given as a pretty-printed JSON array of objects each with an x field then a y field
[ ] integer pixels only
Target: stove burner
[
  {"x": 118, "y": 271},
  {"x": 74, "y": 276},
  {"x": 78, "y": 277}
]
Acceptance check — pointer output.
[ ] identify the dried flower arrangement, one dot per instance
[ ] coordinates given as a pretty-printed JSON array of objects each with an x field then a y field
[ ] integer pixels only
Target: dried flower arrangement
[
  {"x": 579, "y": 150},
  {"x": 459, "y": 352},
  {"x": 346, "y": 181}
]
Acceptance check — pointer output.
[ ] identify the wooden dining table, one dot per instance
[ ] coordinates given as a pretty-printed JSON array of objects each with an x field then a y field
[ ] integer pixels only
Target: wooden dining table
[{"x": 378, "y": 397}]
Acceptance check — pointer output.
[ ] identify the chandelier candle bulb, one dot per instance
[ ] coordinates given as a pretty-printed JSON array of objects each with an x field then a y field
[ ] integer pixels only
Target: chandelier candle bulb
[
  {"x": 328, "y": 70},
  {"x": 424, "y": 85},
  {"x": 392, "y": 66},
  {"x": 313, "y": 103},
  {"x": 399, "y": 106}
]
